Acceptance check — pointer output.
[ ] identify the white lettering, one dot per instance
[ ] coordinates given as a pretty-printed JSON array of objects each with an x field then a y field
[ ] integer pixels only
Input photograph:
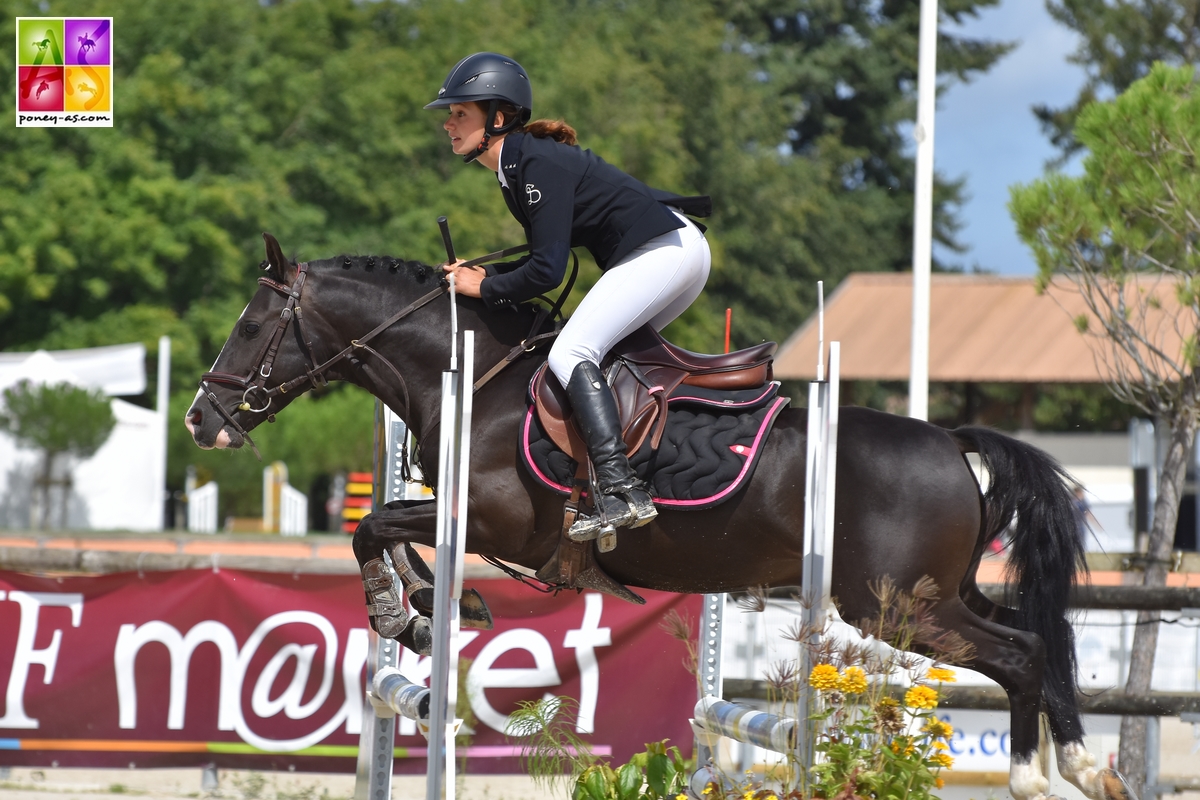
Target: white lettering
[
  {"x": 585, "y": 640},
  {"x": 483, "y": 675},
  {"x": 130, "y": 640},
  {"x": 26, "y": 656}
]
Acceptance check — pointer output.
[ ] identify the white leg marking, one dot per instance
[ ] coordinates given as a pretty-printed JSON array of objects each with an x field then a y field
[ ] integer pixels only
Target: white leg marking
[
  {"x": 1078, "y": 766},
  {"x": 1026, "y": 781}
]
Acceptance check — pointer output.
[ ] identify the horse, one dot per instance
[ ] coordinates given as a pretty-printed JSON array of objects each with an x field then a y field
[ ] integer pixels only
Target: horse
[{"x": 908, "y": 505}]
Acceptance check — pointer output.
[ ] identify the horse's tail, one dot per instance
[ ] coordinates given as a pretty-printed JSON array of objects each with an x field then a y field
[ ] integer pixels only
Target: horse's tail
[{"x": 1028, "y": 489}]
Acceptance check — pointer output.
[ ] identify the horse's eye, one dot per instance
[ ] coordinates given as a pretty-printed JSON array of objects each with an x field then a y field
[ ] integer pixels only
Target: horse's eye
[{"x": 251, "y": 329}]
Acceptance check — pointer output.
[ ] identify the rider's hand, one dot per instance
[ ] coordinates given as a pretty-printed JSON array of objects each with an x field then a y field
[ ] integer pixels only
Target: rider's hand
[{"x": 466, "y": 279}]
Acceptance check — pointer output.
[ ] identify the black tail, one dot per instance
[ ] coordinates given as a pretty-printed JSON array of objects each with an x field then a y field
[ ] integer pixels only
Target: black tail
[{"x": 1029, "y": 488}]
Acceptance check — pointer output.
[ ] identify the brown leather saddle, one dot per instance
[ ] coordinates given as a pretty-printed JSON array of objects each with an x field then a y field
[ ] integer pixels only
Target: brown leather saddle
[{"x": 643, "y": 370}]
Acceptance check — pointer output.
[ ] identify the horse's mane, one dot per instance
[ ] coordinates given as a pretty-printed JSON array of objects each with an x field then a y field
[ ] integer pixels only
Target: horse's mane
[{"x": 390, "y": 273}]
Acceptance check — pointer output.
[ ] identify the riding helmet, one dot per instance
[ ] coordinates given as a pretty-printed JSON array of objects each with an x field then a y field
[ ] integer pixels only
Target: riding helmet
[{"x": 487, "y": 76}]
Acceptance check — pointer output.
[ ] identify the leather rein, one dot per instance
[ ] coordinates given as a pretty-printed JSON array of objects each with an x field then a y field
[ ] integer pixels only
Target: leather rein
[{"x": 254, "y": 384}]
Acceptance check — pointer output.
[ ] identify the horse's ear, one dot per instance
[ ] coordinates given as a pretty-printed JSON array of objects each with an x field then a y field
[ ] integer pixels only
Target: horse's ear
[{"x": 279, "y": 267}]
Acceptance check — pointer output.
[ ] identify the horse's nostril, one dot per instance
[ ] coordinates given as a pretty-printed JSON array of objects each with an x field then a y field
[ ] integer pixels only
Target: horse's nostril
[{"x": 196, "y": 416}]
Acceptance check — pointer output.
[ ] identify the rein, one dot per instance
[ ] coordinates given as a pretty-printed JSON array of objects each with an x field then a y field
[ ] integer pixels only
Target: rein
[{"x": 254, "y": 384}]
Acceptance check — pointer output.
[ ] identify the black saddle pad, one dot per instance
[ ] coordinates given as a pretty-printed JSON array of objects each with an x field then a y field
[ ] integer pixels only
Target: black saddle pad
[{"x": 708, "y": 452}]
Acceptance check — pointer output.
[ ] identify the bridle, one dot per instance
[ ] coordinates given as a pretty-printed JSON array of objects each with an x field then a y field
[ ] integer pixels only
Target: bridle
[{"x": 254, "y": 384}]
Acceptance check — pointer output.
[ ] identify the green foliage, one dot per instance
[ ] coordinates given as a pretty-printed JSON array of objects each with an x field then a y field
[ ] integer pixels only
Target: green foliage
[
  {"x": 550, "y": 748},
  {"x": 1119, "y": 40},
  {"x": 658, "y": 773},
  {"x": 58, "y": 419},
  {"x": 1126, "y": 230}
]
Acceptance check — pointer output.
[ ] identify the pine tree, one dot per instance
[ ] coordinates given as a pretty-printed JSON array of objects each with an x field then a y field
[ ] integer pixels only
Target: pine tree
[{"x": 1120, "y": 40}]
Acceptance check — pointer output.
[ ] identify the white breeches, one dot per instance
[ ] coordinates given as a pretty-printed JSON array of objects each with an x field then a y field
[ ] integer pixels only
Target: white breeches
[{"x": 654, "y": 284}]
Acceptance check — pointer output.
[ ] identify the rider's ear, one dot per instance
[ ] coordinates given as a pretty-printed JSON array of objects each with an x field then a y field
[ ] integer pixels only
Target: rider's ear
[{"x": 277, "y": 266}]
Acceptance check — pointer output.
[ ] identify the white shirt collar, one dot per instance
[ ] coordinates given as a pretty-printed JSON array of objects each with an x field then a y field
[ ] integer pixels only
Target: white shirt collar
[{"x": 500, "y": 162}]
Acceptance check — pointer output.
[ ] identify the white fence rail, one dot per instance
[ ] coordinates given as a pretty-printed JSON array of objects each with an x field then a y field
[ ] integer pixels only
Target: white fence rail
[{"x": 202, "y": 509}]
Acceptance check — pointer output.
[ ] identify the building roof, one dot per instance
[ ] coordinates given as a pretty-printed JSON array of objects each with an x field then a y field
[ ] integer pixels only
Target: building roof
[{"x": 983, "y": 329}]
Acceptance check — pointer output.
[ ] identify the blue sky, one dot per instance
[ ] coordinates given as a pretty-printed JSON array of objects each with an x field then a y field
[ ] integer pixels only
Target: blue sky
[{"x": 985, "y": 130}]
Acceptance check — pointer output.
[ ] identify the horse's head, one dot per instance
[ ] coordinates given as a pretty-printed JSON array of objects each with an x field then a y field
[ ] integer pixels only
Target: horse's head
[{"x": 248, "y": 382}]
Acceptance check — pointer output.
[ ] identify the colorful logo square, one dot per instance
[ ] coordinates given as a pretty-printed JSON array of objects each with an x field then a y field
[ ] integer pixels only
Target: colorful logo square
[
  {"x": 40, "y": 89},
  {"x": 40, "y": 41},
  {"x": 87, "y": 89},
  {"x": 64, "y": 72},
  {"x": 88, "y": 42}
]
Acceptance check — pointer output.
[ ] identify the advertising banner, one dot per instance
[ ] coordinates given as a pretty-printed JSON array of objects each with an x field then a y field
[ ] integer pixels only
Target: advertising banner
[{"x": 262, "y": 670}]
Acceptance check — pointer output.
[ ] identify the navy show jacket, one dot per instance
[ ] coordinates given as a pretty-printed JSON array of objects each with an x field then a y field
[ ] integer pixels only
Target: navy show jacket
[{"x": 567, "y": 197}]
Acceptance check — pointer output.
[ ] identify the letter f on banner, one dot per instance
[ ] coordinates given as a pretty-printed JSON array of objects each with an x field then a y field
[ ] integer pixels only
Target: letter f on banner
[
  {"x": 584, "y": 640},
  {"x": 26, "y": 656}
]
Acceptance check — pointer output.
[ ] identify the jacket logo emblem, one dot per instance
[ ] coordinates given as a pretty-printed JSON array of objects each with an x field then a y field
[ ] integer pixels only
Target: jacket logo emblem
[{"x": 532, "y": 193}]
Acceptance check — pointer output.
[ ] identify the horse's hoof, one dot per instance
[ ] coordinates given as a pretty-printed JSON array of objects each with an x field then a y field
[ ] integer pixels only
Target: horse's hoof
[
  {"x": 417, "y": 636},
  {"x": 1114, "y": 786},
  {"x": 473, "y": 612}
]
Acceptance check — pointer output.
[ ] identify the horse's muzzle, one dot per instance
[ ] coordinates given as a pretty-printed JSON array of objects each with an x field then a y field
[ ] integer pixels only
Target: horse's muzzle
[{"x": 207, "y": 428}]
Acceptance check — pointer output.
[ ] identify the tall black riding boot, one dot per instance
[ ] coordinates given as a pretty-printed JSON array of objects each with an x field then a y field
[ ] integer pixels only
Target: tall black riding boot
[{"x": 623, "y": 501}]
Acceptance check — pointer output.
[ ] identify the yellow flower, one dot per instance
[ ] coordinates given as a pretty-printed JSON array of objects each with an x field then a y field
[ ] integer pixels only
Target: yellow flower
[
  {"x": 823, "y": 676},
  {"x": 681, "y": 797},
  {"x": 921, "y": 697},
  {"x": 708, "y": 789},
  {"x": 888, "y": 701},
  {"x": 902, "y": 746},
  {"x": 938, "y": 729},
  {"x": 942, "y": 759},
  {"x": 939, "y": 783},
  {"x": 854, "y": 681},
  {"x": 940, "y": 746},
  {"x": 941, "y": 675}
]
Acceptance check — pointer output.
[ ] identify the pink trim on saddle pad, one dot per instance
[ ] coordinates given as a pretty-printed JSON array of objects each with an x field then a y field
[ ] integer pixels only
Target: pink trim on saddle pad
[{"x": 750, "y": 458}]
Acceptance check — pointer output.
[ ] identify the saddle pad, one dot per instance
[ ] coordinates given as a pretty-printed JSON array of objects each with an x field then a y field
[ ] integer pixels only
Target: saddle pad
[{"x": 708, "y": 452}]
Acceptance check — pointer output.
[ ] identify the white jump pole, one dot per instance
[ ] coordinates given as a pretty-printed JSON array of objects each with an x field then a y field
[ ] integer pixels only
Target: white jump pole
[{"x": 918, "y": 377}]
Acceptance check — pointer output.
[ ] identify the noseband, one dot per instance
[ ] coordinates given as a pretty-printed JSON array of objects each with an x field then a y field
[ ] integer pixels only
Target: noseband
[{"x": 254, "y": 385}]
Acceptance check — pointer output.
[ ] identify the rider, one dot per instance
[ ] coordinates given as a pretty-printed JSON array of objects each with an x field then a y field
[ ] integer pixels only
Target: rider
[{"x": 654, "y": 260}]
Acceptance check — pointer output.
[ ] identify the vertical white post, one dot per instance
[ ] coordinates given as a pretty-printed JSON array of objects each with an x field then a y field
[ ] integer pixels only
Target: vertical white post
[
  {"x": 164, "y": 402},
  {"x": 448, "y": 570},
  {"x": 918, "y": 378}
]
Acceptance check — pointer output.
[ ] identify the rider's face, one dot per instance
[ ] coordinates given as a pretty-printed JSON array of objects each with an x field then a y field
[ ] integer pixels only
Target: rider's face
[{"x": 465, "y": 126}]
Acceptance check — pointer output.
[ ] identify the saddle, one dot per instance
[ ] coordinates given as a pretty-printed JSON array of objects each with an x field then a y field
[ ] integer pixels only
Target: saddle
[{"x": 643, "y": 370}]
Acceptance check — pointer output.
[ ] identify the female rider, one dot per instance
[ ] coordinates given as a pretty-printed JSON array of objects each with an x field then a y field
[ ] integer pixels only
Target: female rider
[{"x": 654, "y": 260}]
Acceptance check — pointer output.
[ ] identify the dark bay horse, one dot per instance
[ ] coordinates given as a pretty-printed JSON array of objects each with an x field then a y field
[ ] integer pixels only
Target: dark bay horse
[{"x": 907, "y": 504}]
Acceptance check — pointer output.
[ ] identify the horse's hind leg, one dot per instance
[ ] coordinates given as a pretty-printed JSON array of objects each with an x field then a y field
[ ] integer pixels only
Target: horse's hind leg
[
  {"x": 1016, "y": 660},
  {"x": 1075, "y": 763}
]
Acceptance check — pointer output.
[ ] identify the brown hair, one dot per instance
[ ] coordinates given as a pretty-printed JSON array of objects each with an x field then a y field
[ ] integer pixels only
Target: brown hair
[{"x": 555, "y": 129}]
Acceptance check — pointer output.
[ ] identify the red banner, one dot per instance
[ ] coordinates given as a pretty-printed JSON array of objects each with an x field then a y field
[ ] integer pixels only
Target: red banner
[{"x": 265, "y": 671}]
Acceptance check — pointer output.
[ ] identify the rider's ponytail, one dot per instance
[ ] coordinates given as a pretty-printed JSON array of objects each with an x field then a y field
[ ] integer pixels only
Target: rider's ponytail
[{"x": 555, "y": 129}]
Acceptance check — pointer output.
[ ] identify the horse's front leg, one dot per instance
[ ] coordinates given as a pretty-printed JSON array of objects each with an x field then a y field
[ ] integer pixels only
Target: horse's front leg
[
  {"x": 395, "y": 529},
  {"x": 418, "y": 585},
  {"x": 392, "y": 529}
]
